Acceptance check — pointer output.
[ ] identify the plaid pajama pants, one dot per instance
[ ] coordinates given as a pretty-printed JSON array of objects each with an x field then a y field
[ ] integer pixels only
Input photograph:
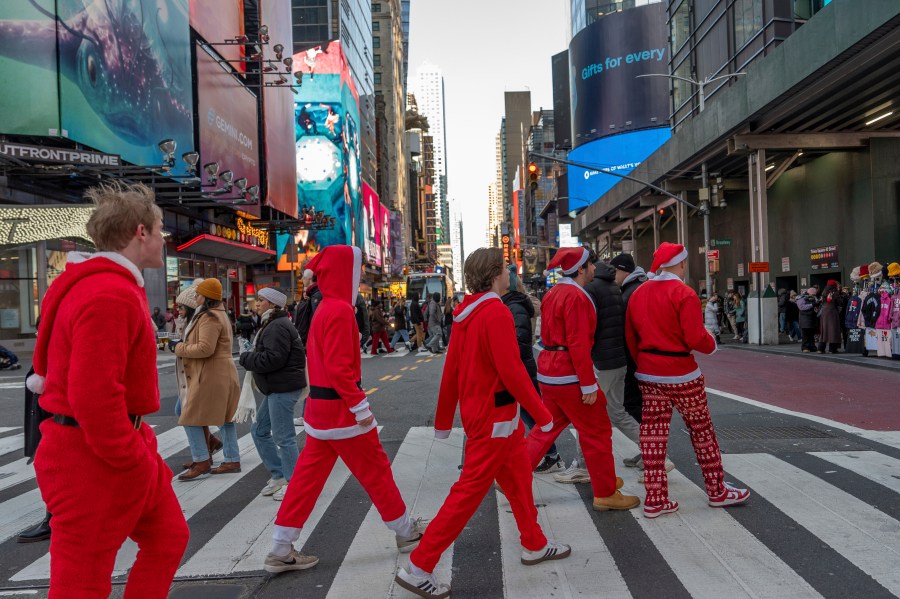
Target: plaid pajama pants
[{"x": 690, "y": 401}]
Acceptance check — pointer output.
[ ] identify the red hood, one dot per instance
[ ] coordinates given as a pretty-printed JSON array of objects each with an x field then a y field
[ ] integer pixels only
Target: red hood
[
  {"x": 75, "y": 272},
  {"x": 470, "y": 305},
  {"x": 337, "y": 270}
]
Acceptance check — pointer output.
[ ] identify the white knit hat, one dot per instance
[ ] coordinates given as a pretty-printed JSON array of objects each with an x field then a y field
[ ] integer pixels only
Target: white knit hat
[
  {"x": 273, "y": 295},
  {"x": 189, "y": 296}
]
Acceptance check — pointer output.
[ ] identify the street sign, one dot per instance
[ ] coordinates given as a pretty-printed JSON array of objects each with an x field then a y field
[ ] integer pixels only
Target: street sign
[
  {"x": 719, "y": 242},
  {"x": 740, "y": 269},
  {"x": 232, "y": 273},
  {"x": 759, "y": 267},
  {"x": 786, "y": 264},
  {"x": 712, "y": 255}
]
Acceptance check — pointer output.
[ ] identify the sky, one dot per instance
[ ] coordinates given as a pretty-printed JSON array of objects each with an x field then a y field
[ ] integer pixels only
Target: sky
[{"x": 484, "y": 47}]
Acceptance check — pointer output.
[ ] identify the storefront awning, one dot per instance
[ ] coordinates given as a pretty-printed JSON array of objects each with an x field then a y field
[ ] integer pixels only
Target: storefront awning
[{"x": 210, "y": 245}]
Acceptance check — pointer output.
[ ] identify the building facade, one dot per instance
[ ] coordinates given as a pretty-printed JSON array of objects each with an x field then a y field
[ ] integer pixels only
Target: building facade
[
  {"x": 430, "y": 98},
  {"x": 514, "y": 128},
  {"x": 585, "y": 12}
]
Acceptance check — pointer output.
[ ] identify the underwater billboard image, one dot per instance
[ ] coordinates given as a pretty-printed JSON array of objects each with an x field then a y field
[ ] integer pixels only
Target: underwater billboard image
[
  {"x": 124, "y": 70},
  {"x": 327, "y": 146}
]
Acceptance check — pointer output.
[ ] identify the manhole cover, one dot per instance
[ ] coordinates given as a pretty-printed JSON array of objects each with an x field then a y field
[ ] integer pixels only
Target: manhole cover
[{"x": 760, "y": 433}]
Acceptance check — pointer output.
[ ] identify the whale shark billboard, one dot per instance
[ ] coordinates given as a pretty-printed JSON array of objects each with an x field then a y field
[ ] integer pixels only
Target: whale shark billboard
[{"x": 122, "y": 68}]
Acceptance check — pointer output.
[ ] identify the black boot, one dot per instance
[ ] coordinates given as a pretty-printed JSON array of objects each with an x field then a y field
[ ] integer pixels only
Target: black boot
[{"x": 39, "y": 532}]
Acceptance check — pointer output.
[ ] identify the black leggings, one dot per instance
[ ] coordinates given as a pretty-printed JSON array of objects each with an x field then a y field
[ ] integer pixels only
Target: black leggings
[{"x": 809, "y": 339}]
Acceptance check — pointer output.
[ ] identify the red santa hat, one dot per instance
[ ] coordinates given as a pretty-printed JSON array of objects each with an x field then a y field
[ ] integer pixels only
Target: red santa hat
[
  {"x": 569, "y": 260},
  {"x": 668, "y": 254}
]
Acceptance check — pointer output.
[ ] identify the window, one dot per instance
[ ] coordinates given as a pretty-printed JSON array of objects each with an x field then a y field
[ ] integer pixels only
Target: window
[
  {"x": 376, "y": 7},
  {"x": 376, "y": 41},
  {"x": 376, "y": 60},
  {"x": 377, "y": 78},
  {"x": 680, "y": 27},
  {"x": 748, "y": 20},
  {"x": 376, "y": 25}
]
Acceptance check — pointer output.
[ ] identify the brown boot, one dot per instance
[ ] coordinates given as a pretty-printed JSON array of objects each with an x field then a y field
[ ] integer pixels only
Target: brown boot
[
  {"x": 196, "y": 471},
  {"x": 214, "y": 444},
  {"x": 227, "y": 468},
  {"x": 616, "y": 501}
]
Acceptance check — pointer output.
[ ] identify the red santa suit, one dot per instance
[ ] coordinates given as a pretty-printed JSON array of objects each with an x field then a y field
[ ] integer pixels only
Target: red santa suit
[
  {"x": 485, "y": 377},
  {"x": 566, "y": 372},
  {"x": 663, "y": 325},
  {"x": 97, "y": 465},
  {"x": 336, "y": 405}
]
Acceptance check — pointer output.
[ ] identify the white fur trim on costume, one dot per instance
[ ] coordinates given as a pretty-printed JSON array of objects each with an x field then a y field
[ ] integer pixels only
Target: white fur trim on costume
[
  {"x": 357, "y": 271},
  {"x": 668, "y": 380},
  {"x": 360, "y": 416},
  {"x": 36, "y": 383},
  {"x": 439, "y": 434},
  {"x": 569, "y": 281},
  {"x": 557, "y": 380},
  {"x": 666, "y": 276},
  {"x": 79, "y": 257},
  {"x": 584, "y": 256},
  {"x": 362, "y": 406},
  {"x": 330, "y": 434},
  {"x": 506, "y": 428},
  {"x": 547, "y": 427},
  {"x": 589, "y": 388},
  {"x": 471, "y": 307}
]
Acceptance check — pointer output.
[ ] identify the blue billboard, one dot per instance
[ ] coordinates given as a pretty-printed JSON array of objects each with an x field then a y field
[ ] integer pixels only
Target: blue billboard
[{"x": 618, "y": 153}]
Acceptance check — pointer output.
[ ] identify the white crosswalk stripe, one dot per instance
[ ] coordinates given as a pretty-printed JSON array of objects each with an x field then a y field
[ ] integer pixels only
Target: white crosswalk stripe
[
  {"x": 12, "y": 443},
  {"x": 708, "y": 550}
]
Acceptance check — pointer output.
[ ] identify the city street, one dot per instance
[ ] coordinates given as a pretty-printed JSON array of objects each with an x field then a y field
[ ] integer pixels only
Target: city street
[{"x": 818, "y": 444}]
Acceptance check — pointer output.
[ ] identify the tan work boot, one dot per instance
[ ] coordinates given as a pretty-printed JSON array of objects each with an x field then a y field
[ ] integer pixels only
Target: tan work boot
[
  {"x": 227, "y": 468},
  {"x": 197, "y": 470},
  {"x": 616, "y": 501}
]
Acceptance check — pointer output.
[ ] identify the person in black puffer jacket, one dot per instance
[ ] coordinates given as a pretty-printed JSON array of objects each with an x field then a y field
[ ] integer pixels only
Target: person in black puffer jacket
[
  {"x": 278, "y": 364},
  {"x": 523, "y": 311},
  {"x": 629, "y": 277},
  {"x": 609, "y": 351}
]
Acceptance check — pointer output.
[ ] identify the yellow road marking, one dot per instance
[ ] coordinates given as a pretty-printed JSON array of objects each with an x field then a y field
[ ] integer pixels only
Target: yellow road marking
[
  {"x": 404, "y": 368},
  {"x": 413, "y": 367},
  {"x": 372, "y": 390},
  {"x": 384, "y": 378},
  {"x": 427, "y": 361},
  {"x": 396, "y": 377}
]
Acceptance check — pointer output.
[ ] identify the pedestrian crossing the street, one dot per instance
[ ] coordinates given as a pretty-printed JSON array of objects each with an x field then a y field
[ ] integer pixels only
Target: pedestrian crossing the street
[{"x": 708, "y": 552}]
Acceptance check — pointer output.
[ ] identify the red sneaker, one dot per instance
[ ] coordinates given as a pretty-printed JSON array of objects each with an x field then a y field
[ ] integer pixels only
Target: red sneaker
[
  {"x": 655, "y": 511},
  {"x": 730, "y": 496}
]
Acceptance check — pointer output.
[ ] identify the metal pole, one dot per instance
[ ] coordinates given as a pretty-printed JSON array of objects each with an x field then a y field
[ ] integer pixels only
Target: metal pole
[
  {"x": 702, "y": 100},
  {"x": 705, "y": 208}
]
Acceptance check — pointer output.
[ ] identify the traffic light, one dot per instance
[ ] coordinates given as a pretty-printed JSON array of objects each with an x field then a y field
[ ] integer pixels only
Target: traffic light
[{"x": 533, "y": 176}]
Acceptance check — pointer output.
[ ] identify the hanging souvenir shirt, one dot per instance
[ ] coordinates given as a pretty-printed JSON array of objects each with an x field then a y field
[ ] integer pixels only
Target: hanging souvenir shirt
[
  {"x": 895, "y": 311},
  {"x": 884, "y": 315},
  {"x": 854, "y": 306}
]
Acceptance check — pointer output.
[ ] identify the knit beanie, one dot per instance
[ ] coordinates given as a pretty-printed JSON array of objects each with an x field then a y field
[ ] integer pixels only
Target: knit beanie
[
  {"x": 623, "y": 262},
  {"x": 273, "y": 295},
  {"x": 210, "y": 289},
  {"x": 854, "y": 274},
  {"x": 189, "y": 298}
]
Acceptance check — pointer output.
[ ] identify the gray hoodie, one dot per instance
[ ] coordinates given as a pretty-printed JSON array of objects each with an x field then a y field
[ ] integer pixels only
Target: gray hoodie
[{"x": 632, "y": 282}]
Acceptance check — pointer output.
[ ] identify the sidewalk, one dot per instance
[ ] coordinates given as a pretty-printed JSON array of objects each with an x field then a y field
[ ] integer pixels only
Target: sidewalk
[{"x": 793, "y": 349}]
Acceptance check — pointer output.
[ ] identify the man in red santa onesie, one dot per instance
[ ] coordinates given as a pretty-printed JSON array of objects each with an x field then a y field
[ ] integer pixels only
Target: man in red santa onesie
[
  {"x": 95, "y": 367},
  {"x": 663, "y": 325},
  {"x": 486, "y": 378},
  {"x": 337, "y": 418},
  {"x": 568, "y": 384}
]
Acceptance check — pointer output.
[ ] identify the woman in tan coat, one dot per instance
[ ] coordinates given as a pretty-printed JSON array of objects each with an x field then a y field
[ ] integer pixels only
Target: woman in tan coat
[{"x": 212, "y": 392}]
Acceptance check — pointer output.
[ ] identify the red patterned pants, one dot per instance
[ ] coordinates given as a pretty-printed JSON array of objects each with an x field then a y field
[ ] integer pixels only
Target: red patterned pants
[{"x": 690, "y": 401}]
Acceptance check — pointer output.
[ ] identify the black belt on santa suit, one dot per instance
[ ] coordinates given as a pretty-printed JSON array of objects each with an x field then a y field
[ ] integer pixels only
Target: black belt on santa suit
[
  {"x": 69, "y": 421},
  {"x": 316, "y": 392},
  {"x": 554, "y": 347},
  {"x": 670, "y": 354}
]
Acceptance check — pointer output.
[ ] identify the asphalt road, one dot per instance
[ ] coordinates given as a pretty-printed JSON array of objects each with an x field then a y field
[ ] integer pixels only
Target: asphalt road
[{"x": 816, "y": 443}]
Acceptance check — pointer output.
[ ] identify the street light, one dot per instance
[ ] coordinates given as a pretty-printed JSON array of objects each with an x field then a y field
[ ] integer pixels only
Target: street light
[{"x": 700, "y": 84}]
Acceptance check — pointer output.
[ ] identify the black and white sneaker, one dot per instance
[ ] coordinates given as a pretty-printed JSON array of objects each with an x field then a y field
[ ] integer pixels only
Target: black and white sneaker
[
  {"x": 549, "y": 464},
  {"x": 423, "y": 586},
  {"x": 552, "y": 551},
  {"x": 408, "y": 544},
  {"x": 294, "y": 560}
]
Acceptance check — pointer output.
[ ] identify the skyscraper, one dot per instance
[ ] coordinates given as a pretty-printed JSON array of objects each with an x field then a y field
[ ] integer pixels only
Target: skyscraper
[
  {"x": 514, "y": 129},
  {"x": 430, "y": 96}
]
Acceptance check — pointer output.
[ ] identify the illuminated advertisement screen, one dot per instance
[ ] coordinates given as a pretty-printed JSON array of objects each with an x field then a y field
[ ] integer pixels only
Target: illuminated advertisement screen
[
  {"x": 278, "y": 106},
  {"x": 605, "y": 60},
  {"x": 228, "y": 127},
  {"x": 371, "y": 226},
  {"x": 220, "y": 20},
  {"x": 384, "y": 241},
  {"x": 398, "y": 257},
  {"x": 125, "y": 76},
  {"x": 29, "y": 104},
  {"x": 326, "y": 125},
  {"x": 619, "y": 154}
]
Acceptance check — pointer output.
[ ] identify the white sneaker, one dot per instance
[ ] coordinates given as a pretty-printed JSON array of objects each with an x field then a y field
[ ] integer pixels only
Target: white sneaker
[
  {"x": 279, "y": 494},
  {"x": 292, "y": 561},
  {"x": 552, "y": 551},
  {"x": 298, "y": 421},
  {"x": 573, "y": 474},
  {"x": 424, "y": 586},
  {"x": 272, "y": 486},
  {"x": 405, "y": 545},
  {"x": 731, "y": 495}
]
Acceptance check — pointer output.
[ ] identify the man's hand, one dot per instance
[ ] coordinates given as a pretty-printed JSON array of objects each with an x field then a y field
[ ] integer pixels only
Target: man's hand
[
  {"x": 589, "y": 398},
  {"x": 366, "y": 421}
]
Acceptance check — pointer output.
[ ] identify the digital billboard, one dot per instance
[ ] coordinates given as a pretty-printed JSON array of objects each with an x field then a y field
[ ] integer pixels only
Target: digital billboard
[
  {"x": 278, "y": 108},
  {"x": 562, "y": 114},
  {"x": 398, "y": 252},
  {"x": 326, "y": 126},
  {"x": 384, "y": 238},
  {"x": 371, "y": 226},
  {"x": 29, "y": 104},
  {"x": 227, "y": 122},
  {"x": 220, "y": 20},
  {"x": 619, "y": 154},
  {"x": 605, "y": 60},
  {"x": 125, "y": 76}
]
